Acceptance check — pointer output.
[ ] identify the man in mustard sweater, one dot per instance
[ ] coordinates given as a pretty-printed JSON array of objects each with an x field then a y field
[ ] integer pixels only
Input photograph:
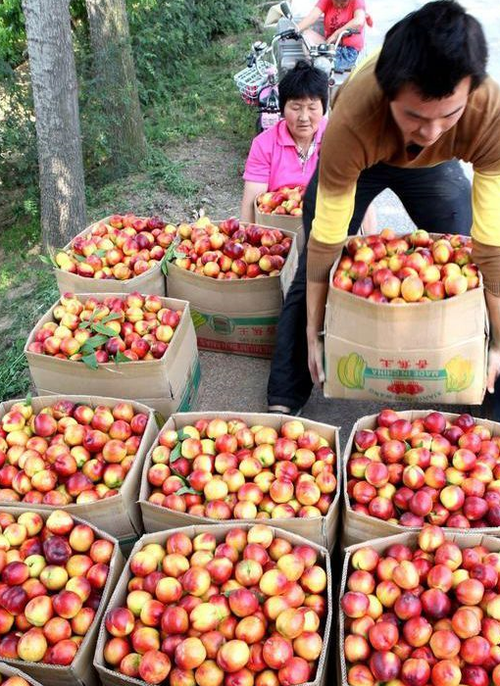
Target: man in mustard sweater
[{"x": 422, "y": 103}]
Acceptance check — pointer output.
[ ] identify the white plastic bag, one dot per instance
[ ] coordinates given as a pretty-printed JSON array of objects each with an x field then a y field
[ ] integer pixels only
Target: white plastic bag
[{"x": 300, "y": 8}]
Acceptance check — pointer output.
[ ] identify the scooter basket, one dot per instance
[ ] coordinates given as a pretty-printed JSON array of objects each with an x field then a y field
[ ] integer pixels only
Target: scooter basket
[{"x": 250, "y": 80}]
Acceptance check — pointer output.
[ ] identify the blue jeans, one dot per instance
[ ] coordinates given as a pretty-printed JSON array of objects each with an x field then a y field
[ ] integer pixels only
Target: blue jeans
[
  {"x": 345, "y": 58},
  {"x": 437, "y": 199}
]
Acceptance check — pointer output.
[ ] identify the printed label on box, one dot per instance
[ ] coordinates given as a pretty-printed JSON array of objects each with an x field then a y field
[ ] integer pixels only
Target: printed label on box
[
  {"x": 455, "y": 374},
  {"x": 241, "y": 335},
  {"x": 404, "y": 373},
  {"x": 190, "y": 394}
]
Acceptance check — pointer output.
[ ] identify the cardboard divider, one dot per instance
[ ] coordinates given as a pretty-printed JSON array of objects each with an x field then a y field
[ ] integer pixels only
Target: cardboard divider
[
  {"x": 111, "y": 678},
  {"x": 320, "y": 530},
  {"x": 463, "y": 540},
  {"x": 118, "y": 515},
  {"x": 162, "y": 384},
  {"x": 8, "y": 671},
  {"x": 288, "y": 222},
  {"x": 429, "y": 351},
  {"x": 358, "y": 527},
  {"x": 81, "y": 672},
  {"x": 238, "y": 316},
  {"x": 151, "y": 282}
]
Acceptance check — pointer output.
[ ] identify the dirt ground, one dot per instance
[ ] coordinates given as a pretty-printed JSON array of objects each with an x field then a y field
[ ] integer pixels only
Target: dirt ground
[
  {"x": 217, "y": 167},
  {"x": 213, "y": 164}
]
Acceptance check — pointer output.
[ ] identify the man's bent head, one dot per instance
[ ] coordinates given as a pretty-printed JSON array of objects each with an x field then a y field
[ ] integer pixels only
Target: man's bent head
[{"x": 432, "y": 51}]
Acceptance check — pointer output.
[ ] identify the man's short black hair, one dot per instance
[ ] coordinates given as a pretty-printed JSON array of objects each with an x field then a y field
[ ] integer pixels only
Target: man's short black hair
[
  {"x": 303, "y": 81},
  {"x": 433, "y": 49}
]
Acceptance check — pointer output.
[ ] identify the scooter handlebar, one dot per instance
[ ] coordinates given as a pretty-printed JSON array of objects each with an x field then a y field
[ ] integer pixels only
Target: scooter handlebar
[
  {"x": 286, "y": 10},
  {"x": 289, "y": 34}
]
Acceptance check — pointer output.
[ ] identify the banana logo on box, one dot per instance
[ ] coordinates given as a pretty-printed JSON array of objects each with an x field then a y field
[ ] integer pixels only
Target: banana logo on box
[
  {"x": 459, "y": 374},
  {"x": 351, "y": 371}
]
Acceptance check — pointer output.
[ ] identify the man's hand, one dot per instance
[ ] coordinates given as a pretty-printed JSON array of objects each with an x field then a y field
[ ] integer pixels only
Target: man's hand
[
  {"x": 315, "y": 357},
  {"x": 493, "y": 368}
]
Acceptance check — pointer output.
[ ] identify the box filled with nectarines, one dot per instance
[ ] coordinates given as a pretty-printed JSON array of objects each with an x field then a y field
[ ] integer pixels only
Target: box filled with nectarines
[
  {"x": 421, "y": 608},
  {"x": 133, "y": 347},
  {"x": 219, "y": 604},
  {"x": 406, "y": 469},
  {"x": 10, "y": 676},
  {"x": 118, "y": 253},
  {"x": 220, "y": 466},
  {"x": 282, "y": 209},
  {"x": 58, "y": 573},
  {"x": 82, "y": 453},
  {"x": 234, "y": 276},
  {"x": 406, "y": 318}
]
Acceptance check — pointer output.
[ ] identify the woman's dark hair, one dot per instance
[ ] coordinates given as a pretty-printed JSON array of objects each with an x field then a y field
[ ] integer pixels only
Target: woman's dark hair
[
  {"x": 433, "y": 49},
  {"x": 303, "y": 81}
]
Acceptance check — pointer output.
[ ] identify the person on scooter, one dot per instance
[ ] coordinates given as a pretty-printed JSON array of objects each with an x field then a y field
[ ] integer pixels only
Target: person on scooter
[
  {"x": 402, "y": 121},
  {"x": 339, "y": 15},
  {"x": 287, "y": 153}
]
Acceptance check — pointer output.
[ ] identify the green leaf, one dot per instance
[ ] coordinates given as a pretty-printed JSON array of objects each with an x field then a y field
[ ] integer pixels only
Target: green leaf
[
  {"x": 49, "y": 260},
  {"x": 94, "y": 342},
  {"x": 159, "y": 419},
  {"x": 182, "y": 435},
  {"x": 111, "y": 317},
  {"x": 100, "y": 253},
  {"x": 182, "y": 478},
  {"x": 28, "y": 399},
  {"x": 175, "y": 454},
  {"x": 90, "y": 361},
  {"x": 101, "y": 328},
  {"x": 84, "y": 325},
  {"x": 187, "y": 489},
  {"x": 80, "y": 258},
  {"x": 120, "y": 357},
  {"x": 170, "y": 251},
  {"x": 169, "y": 255},
  {"x": 179, "y": 254}
]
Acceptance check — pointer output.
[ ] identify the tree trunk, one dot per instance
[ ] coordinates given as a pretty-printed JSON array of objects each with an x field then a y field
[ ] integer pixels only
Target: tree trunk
[
  {"x": 116, "y": 79},
  {"x": 55, "y": 94}
]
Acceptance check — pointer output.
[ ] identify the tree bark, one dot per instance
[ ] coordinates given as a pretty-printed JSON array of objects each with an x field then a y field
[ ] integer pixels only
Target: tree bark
[
  {"x": 55, "y": 94},
  {"x": 116, "y": 81}
]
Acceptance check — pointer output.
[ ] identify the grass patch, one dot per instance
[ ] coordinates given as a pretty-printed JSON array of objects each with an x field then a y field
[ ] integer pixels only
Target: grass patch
[
  {"x": 204, "y": 99},
  {"x": 27, "y": 289}
]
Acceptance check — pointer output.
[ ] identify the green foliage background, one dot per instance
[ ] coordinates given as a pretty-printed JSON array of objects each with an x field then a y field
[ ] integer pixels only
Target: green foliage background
[
  {"x": 185, "y": 52},
  {"x": 165, "y": 34}
]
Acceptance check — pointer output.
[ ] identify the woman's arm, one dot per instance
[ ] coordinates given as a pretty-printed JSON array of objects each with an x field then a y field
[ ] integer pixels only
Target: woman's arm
[
  {"x": 250, "y": 191},
  {"x": 308, "y": 21},
  {"x": 357, "y": 22}
]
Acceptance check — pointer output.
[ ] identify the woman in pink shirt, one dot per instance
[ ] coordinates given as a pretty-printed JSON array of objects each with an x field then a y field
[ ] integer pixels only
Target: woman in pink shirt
[
  {"x": 339, "y": 15},
  {"x": 287, "y": 153}
]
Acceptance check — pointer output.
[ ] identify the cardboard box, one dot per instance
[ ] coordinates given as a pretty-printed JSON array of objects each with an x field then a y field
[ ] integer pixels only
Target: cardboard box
[
  {"x": 358, "y": 527},
  {"x": 285, "y": 222},
  {"x": 7, "y": 671},
  {"x": 81, "y": 671},
  {"x": 119, "y": 515},
  {"x": 111, "y": 678},
  {"x": 238, "y": 316},
  {"x": 164, "y": 384},
  {"x": 151, "y": 282},
  {"x": 320, "y": 530},
  {"x": 429, "y": 352},
  {"x": 463, "y": 540}
]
